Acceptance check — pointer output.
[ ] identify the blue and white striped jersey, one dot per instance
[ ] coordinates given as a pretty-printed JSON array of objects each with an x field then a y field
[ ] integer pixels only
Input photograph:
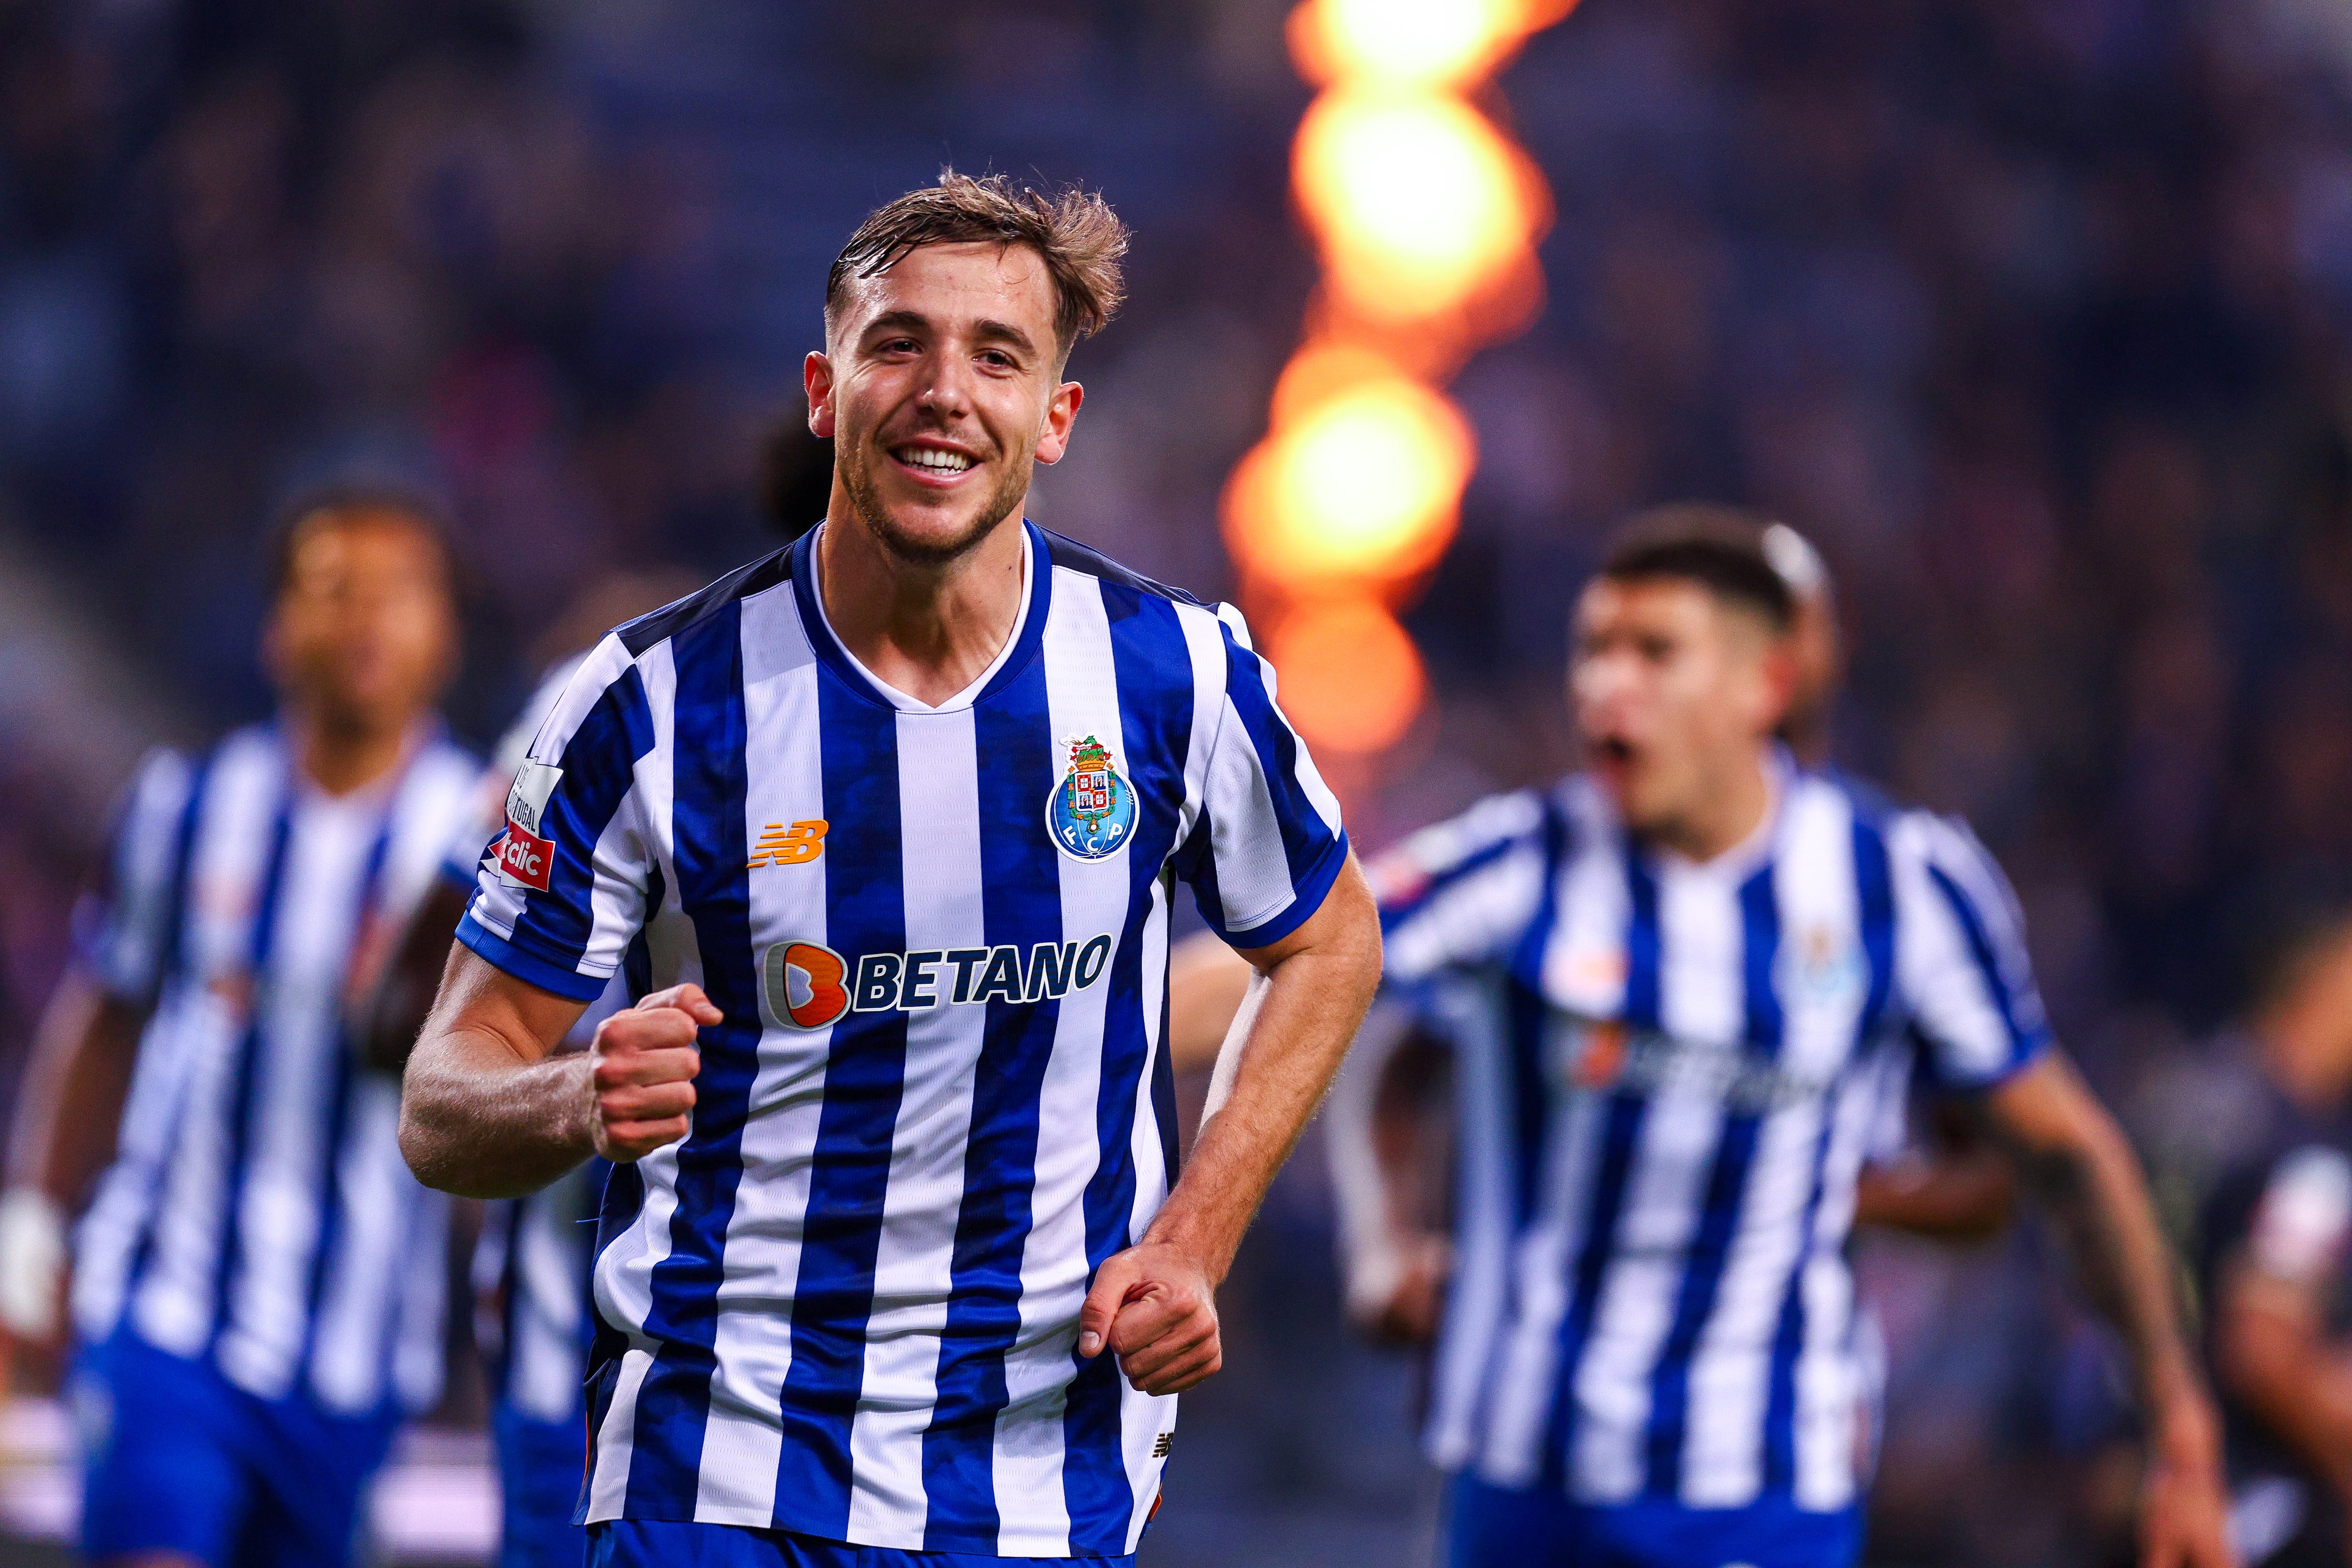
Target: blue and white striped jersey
[
  {"x": 1667, "y": 1076},
  {"x": 846, "y": 1304},
  {"x": 258, "y": 1211},
  {"x": 533, "y": 1255}
]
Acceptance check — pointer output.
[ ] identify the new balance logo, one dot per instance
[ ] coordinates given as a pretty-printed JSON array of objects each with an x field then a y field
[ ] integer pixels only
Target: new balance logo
[
  {"x": 794, "y": 846},
  {"x": 1161, "y": 1443}
]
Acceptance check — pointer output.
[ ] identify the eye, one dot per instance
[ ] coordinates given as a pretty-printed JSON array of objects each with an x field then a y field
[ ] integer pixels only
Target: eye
[{"x": 999, "y": 359}]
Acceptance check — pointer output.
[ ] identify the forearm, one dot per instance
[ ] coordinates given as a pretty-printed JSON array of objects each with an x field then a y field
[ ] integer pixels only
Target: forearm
[
  {"x": 485, "y": 1110},
  {"x": 1307, "y": 1013},
  {"x": 69, "y": 1107},
  {"x": 478, "y": 1121},
  {"x": 2092, "y": 1187}
]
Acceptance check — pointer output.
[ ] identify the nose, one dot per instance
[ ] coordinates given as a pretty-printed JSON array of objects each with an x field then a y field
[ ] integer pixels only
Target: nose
[{"x": 946, "y": 392}]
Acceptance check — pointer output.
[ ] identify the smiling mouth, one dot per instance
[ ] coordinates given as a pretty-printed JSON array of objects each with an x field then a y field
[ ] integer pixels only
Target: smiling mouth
[{"x": 932, "y": 462}]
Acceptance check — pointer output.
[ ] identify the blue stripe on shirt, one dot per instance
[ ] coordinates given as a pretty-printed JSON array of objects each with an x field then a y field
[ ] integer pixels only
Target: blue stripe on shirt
[
  {"x": 1726, "y": 1190},
  {"x": 1157, "y": 715},
  {"x": 1621, "y": 1136},
  {"x": 599, "y": 766},
  {"x": 849, "y": 1173},
  {"x": 2025, "y": 1042},
  {"x": 708, "y": 781},
  {"x": 1021, "y": 899}
]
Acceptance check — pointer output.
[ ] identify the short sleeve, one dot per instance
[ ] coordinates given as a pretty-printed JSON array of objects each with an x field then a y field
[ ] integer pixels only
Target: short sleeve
[
  {"x": 127, "y": 926},
  {"x": 1267, "y": 843},
  {"x": 568, "y": 883},
  {"x": 478, "y": 834},
  {"x": 2303, "y": 1222},
  {"x": 1960, "y": 960},
  {"x": 1458, "y": 894}
]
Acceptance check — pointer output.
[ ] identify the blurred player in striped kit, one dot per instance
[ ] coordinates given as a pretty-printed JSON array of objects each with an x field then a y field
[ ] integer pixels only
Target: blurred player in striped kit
[
  {"x": 1679, "y": 989},
  {"x": 259, "y": 1283}
]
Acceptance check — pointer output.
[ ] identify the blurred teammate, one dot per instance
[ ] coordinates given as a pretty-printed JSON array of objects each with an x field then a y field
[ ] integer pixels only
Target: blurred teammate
[
  {"x": 259, "y": 1283},
  {"x": 883, "y": 831},
  {"x": 2273, "y": 1258},
  {"x": 532, "y": 1259},
  {"x": 1676, "y": 987}
]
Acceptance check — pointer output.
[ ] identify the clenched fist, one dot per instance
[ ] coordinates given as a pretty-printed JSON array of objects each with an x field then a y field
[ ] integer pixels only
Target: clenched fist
[{"x": 641, "y": 1070}]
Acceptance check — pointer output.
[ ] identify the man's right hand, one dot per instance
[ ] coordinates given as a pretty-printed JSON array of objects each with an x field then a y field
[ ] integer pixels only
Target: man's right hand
[{"x": 640, "y": 1073}]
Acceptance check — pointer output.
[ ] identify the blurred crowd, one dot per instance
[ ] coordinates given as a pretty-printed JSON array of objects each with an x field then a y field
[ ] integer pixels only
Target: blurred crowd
[{"x": 2033, "y": 316}]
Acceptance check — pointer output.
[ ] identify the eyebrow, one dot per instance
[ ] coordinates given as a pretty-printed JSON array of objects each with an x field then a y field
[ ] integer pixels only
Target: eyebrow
[{"x": 984, "y": 330}]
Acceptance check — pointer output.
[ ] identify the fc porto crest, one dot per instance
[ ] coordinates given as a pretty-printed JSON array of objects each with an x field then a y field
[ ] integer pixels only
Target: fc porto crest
[{"x": 1092, "y": 813}]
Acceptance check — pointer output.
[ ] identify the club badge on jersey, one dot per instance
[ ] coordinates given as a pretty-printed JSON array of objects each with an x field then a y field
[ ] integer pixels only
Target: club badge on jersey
[
  {"x": 525, "y": 855},
  {"x": 1092, "y": 811}
]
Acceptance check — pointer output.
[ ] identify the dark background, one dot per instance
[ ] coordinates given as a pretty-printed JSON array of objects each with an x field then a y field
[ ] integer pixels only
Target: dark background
[{"x": 2032, "y": 314}]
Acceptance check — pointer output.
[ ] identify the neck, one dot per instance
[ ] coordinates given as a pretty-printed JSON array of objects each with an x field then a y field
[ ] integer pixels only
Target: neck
[
  {"x": 342, "y": 755},
  {"x": 1732, "y": 809},
  {"x": 926, "y": 628}
]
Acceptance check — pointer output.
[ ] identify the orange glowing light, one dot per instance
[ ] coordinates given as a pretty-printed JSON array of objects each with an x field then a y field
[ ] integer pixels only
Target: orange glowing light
[
  {"x": 1405, "y": 43},
  {"x": 1351, "y": 679},
  {"x": 1363, "y": 484},
  {"x": 1421, "y": 203},
  {"x": 1427, "y": 218}
]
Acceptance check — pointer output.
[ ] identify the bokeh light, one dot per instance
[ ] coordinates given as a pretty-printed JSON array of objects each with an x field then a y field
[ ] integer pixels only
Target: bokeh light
[
  {"x": 1421, "y": 205},
  {"x": 1351, "y": 679},
  {"x": 1363, "y": 485},
  {"x": 1427, "y": 216}
]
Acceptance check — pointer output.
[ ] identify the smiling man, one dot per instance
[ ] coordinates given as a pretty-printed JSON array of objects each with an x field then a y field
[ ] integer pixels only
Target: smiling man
[{"x": 883, "y": 830}]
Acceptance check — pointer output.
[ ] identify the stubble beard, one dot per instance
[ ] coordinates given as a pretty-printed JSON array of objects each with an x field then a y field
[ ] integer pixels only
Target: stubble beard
[{"x": 866, "y": 502}]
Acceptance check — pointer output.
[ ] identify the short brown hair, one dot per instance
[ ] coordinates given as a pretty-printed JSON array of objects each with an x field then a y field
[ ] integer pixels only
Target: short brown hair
[
  {"x": 1075, "y": 231},
  {"x": 1719, "y": 548},
  {"x": 325, "y": 506}
]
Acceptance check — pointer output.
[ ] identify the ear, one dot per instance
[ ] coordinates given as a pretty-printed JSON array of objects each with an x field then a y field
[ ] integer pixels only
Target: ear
[
  {"x": 1778, "y": 670},
  {"x": 1061, "y": 413},
  {"x": 816, "y": 379}
]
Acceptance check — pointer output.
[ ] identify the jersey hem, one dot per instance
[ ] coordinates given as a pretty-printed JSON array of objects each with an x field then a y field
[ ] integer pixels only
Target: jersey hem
[
  {"x": 1306, "y": 898},
  {"x": 956, "y": 1545},
  {"x": 500, "y": 953}
]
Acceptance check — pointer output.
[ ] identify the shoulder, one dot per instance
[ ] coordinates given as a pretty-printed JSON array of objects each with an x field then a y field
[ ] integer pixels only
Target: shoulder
[
  {"x": 1068, "y": 555},
  {"x": 1487, "y": 832},
  {"x": 640, "y": 636}
]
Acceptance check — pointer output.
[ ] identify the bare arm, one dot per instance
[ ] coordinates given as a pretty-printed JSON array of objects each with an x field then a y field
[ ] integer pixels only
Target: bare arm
[
  {"x": 1383, "y": 1133},
  {"x": 68, "y": 1117},
  {"x": 1155, "y": 1303},
  {"x": 1206, "y": 983},
  {"x": 70, "y": 1108},
  {"x": 1962, "y": 1189},
  {"x": 392, "y": 1016},
  {"x": 486, "y": 1110},
  {"x": 2075, "y": 1159}
]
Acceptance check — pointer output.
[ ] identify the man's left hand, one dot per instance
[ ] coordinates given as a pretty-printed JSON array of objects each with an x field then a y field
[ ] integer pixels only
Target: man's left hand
[
  {"x": 2184, "y": 1512},
  {"x": 1154, "y": 1307}
]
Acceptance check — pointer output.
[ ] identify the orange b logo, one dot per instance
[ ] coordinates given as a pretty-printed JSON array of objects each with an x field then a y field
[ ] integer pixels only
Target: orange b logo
[
  {"x": 794, "y": 846},
  {"x": 802, "y": 981}
]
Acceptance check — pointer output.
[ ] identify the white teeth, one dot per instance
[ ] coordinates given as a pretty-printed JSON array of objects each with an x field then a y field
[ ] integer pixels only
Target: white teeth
[{"x": 933, "y": 459}]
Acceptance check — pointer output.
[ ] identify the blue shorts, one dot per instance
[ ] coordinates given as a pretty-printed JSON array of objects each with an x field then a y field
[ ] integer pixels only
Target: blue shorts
[
  {"x": 658, "y": 1543},
  {"x": 181, "y": 1459},
  {"x": 1488, "y": 1527},
  {"x": 540, "y": 1467}
]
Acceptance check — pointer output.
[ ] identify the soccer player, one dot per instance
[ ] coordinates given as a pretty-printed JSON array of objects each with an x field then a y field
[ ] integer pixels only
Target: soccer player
[
  {"x": 257, "y": 1285},
  {"x": 531, "y": 1258},
  {"x": 2276, "y": 1233},
  {"x": 1676, "y": 987},
  {"x": 883, "y": 829}
]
